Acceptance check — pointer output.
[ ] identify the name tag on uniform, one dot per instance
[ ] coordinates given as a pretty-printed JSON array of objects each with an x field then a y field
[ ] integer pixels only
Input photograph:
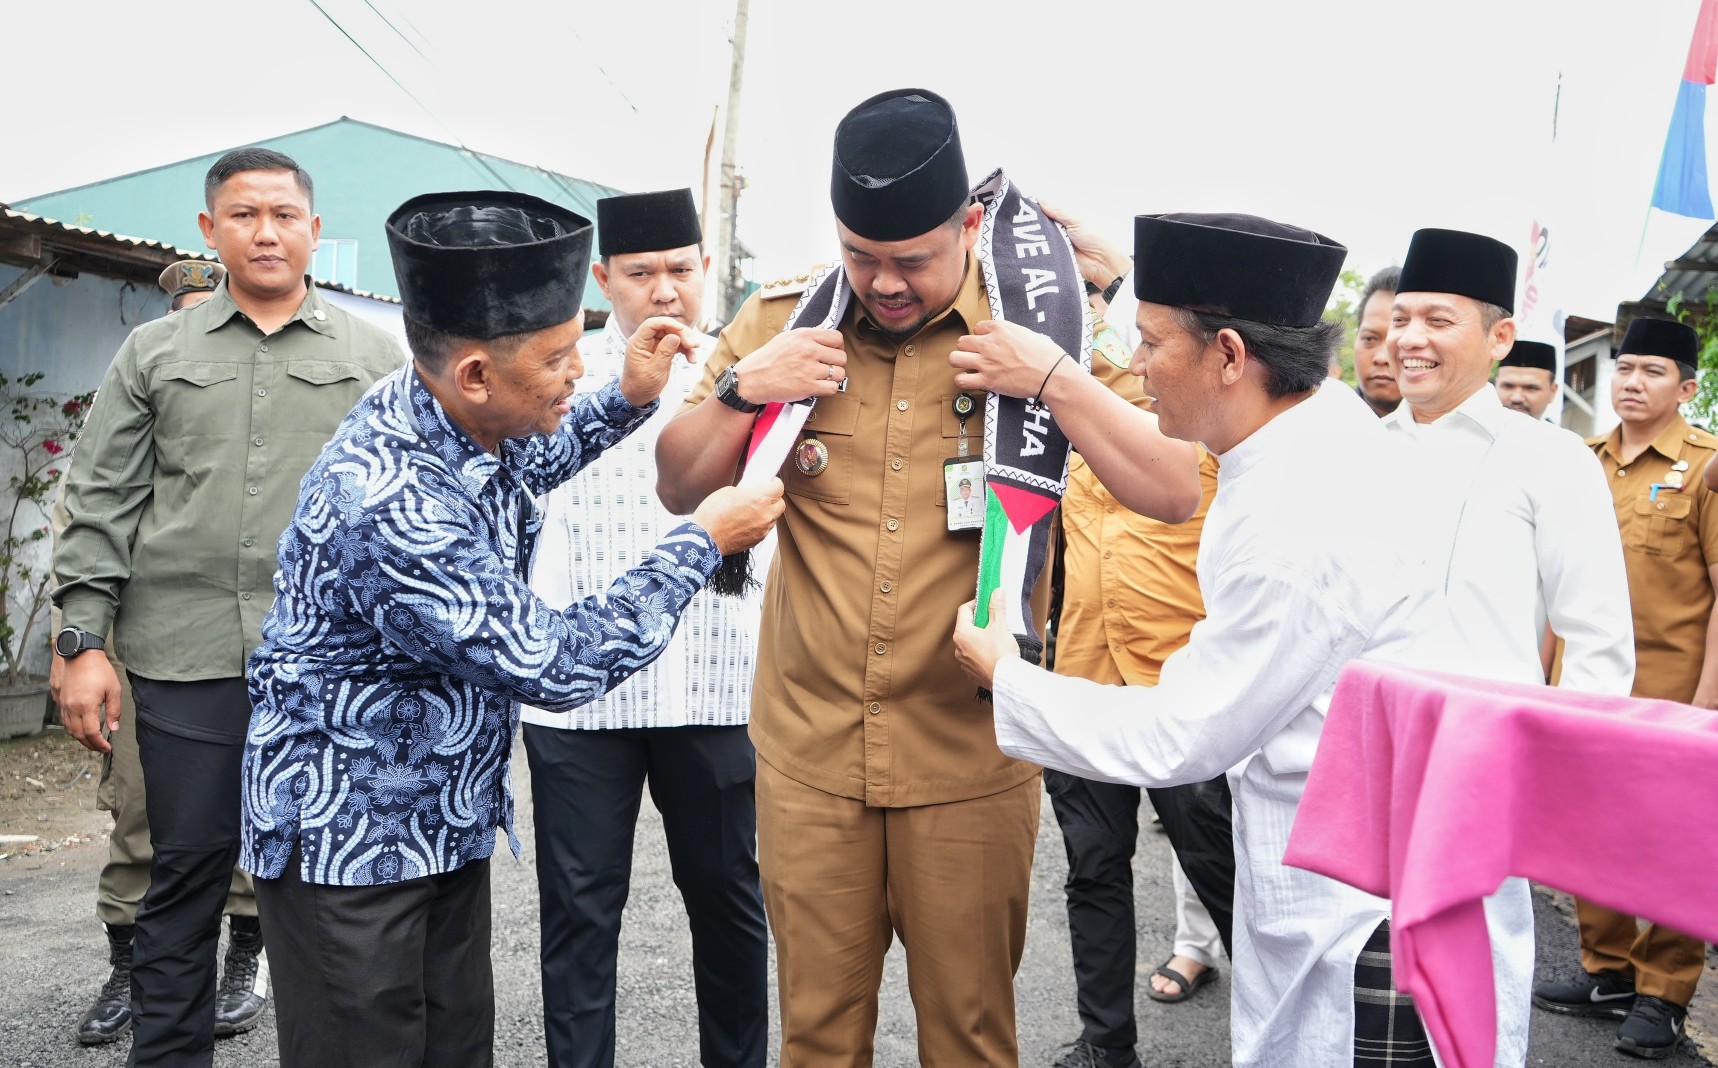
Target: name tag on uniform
[{"x": 963, "y": 483}]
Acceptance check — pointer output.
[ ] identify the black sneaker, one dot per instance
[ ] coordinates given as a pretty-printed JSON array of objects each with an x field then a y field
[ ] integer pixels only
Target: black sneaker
[
  {"x": 1654, "y": 1029},
  {"x": 1604, "y": 994},
  {"x": 110, "y": 1016},
  {"x": 243, "y": 992},
  {"x": 1082, "y": 1054}
]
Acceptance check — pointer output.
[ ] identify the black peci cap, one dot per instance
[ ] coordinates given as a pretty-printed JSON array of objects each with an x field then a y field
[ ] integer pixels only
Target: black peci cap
[
  {"x": 485, "y": 264},
  {"x": 899, "y": 171},
  {"x": 1237, "y": 265}
]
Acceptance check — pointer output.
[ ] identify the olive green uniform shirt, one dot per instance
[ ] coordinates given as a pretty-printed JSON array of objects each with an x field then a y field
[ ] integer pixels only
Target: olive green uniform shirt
[{"x": 188, "y": 471}]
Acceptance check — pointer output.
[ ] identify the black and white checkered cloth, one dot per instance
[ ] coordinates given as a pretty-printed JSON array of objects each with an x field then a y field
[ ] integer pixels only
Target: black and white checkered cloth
[{"x": 1387, "y": 1027}]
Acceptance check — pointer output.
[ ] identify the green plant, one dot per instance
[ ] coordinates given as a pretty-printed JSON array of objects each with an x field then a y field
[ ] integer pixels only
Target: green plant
[
  {"x": 36, "y": 430},
  {"x": 1343, "y": 309},
  {"x": 1703, "y": 317}
]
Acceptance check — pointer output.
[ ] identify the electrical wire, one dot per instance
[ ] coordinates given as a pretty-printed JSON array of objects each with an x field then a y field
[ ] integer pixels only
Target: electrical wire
[{"x": 379, "y": 65}]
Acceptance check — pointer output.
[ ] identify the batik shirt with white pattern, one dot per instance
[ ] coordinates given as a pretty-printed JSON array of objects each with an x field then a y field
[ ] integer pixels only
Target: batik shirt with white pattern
[{"x": 403, "y": 637}]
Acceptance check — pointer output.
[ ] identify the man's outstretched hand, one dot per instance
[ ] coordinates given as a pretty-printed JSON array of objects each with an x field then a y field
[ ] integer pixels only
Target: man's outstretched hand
[{"x": 738, "y": 517}]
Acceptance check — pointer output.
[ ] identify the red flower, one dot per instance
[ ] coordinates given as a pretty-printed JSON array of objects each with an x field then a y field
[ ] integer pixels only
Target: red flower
[
  {"x": 72, "y": 407},
  {"x": 53, "y": 447}
]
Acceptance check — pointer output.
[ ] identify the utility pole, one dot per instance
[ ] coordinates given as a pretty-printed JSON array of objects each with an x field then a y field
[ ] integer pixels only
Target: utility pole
[{"x": 732, "y": 284}]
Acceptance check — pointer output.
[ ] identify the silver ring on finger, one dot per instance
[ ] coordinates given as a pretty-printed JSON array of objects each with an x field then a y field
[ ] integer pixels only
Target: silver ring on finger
[{"x": 830, "y": 372}]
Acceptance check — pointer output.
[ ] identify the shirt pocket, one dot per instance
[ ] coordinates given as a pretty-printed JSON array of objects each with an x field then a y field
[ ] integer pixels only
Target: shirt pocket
[
  {"x": 195, "y": 399},
  {"x": 318, "y": 394},
  {"x": 323, "y": 372},
  {"x": 1664, "y": 525},
  {"x": 833, "y": 421}
]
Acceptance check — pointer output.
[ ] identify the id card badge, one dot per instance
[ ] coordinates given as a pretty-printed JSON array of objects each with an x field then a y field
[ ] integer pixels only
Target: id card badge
[{"x": 963, "y": 483}]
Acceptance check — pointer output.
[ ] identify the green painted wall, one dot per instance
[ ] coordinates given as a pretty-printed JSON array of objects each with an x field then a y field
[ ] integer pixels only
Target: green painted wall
[{"x": 361, "y": 173}]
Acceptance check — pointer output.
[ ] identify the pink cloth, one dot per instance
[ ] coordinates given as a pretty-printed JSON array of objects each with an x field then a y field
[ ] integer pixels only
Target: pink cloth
[{"x": 1430, "y": 789}]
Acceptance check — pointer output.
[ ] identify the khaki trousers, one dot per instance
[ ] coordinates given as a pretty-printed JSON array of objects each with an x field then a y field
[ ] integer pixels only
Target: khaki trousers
[
  {"x": 1665, "y": 963},
  {"x": 841, "y": 879},
  {"x": 125, "y": 876}
]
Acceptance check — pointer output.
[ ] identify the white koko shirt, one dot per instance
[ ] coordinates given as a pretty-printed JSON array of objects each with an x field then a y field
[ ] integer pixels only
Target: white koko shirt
[
  {"x": 604, "y": 521},
  {"x": 1517, "y": 529},
  {"x": 1302, "y": 565}
]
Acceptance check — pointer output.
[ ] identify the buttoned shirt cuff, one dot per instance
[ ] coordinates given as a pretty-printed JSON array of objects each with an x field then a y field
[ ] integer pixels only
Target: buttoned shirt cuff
[
  {"x": 616, "y": 410},
  {"x": 690, "y": 545},
  {"x": 1013, "y": 690},
  {"x": 86, "y": 613}
]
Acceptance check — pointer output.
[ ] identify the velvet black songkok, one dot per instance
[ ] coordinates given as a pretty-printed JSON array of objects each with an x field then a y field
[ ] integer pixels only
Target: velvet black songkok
[
  {"x": 647, "y": 222},
  {"x": 1236, "y": 265},
  {"x": 899, "y": 171},
  {"x": 1455, "y": 261},
  {"x": 1532, "y": 354},
  {"x": 484, "y": 264},
  {"x": 1662, "y": 337}
]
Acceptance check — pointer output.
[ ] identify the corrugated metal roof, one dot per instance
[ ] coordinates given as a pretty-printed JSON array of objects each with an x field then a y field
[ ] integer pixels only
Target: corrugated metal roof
[
  {"x": 135, "y": 242},
  {"x": 172, "y": 252},
  {"x": 362, "y": 173},
  {"x": 1691, "y": 274}
]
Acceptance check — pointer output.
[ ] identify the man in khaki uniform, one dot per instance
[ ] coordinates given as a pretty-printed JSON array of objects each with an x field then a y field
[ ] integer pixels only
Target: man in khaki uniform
[
  {"x": 190, "y": 282},
  {"x": 884, "y": 804},
  {"x": 1660, "y": 473}
]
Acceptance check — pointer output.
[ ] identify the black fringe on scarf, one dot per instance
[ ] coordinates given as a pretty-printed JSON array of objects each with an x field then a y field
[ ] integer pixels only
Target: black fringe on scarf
[{"x": 733, "y": 578}]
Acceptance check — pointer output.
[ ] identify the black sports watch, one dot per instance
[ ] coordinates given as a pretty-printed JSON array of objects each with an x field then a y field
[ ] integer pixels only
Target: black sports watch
[
  {"x": 728, "y": 392},
  {"x": 72, "y": 641}
]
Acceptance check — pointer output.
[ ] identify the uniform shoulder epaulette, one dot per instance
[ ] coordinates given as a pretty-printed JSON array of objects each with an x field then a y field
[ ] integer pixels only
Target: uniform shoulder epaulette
[
  {"x": 789, "y": 287},
  {"x": 1702, "y": 439},
  {"x": 1596, "y": 440}
]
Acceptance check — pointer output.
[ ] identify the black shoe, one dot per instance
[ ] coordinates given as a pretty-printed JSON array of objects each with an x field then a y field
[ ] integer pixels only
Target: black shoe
[
  {"x": 110, "y": 1016},
  {"x": 243, "y": 992},
  {"x": 1654, "y": 1029},
  {"x": 1082, "y": 1054},
  {"x": 1604, "y": 994}
]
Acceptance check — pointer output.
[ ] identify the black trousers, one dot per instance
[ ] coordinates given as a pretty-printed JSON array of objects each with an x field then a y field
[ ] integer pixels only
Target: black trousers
[
  {"x": 1100, "y": 829},
  {"x": 586, "y": 788},
  {"x": 190, "y": 741},
  {"x": 396, "y": 975}
]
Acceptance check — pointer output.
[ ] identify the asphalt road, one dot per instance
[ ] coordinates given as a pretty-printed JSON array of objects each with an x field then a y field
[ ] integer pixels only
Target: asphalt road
[{"x": 52, "y": 960}]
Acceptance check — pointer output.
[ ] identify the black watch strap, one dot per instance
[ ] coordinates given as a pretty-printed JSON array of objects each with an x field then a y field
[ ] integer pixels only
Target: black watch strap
[
  {"x": 728, "y": 392},
  {"x": 1113, "y": 288},
  {"x": 72, "y": 641}
]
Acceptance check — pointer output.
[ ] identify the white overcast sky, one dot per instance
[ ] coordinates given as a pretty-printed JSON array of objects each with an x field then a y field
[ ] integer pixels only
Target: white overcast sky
[{"x": 1363, "y": 120}]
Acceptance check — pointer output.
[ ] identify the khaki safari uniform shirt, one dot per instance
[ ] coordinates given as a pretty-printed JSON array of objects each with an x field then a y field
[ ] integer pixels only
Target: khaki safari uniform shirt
[
  {"x": 188, "y": 471},
  {"x": 1669, "y": 542},
  {"x": 1130, "y": 588},
  {"x": 857, "y": 691}
]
